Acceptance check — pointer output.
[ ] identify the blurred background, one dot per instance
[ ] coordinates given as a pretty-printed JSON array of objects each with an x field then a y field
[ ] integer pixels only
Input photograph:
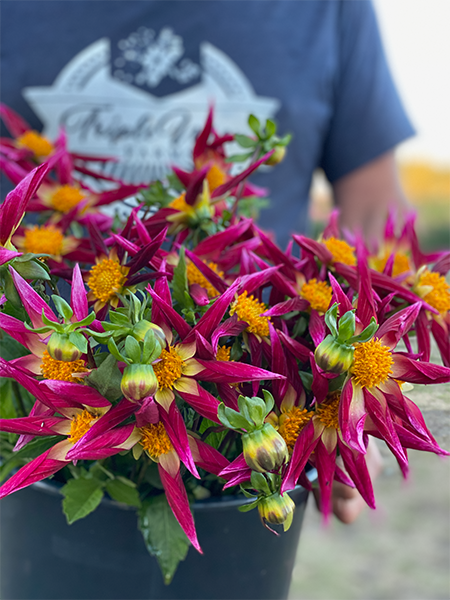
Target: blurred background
[
  {"x": 401, "y": 550},
  {"x": 417, "y": 43}
]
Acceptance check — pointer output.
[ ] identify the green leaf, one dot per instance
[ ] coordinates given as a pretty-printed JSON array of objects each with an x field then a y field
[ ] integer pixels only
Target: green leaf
[
  {"x": 79, "y": 341},
  {"x": 269, "y": 401},
  {"x": 245, "y": 141},
  {"x": 307, "y": 379},
  {"x": 62, "y": 307},
  {"x": 106, "y": 379},
  {"x": 31, "y": 270},
  {"x": 163, "y": 535},
  {"x": 271, "y": 128},
  {"x": 250, "y": 506},
  {"x": 180, "y": 281},
  {"x": 346, "y": 326},
  {"x": 238, "y": 157},
  {"x": 81, "y": 497},
  {"x": 232, "y": 419},
  {"x": 254, "y": 124},
  {"x": 122, "y": 492},
  {"x": 284, "y": 141},
  {"x": 366, "y": 334},
  {"x": 215, "y": 438},
  {"x": 133, "y": 349},
  {"x": 331, "y": 319},
  {"x": 9, "y": 348}
]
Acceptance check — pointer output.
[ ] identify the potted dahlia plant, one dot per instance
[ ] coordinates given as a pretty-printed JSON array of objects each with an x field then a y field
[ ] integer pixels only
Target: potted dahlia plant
[{"x": 181, "y": 360}]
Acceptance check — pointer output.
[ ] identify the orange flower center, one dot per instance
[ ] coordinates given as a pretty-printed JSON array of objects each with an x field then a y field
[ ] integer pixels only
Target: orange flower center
[
  {"x": 223, "y": 353},
  {"x": 37, "y": 143},
  {"x": 155, "y": 439},
  {"x": 66, "y": 197},
  {"x": 107, "y": 278},
  {"x": 44, "y": 240},
  {"x": 169, "y": 368},
  {"x": 194, "y": 275},
  {"x": 291, "y": 423},
  {"x": 215, "y": 177},
  {"x": 60, "y": 369},
  {"x": 401, "y": 263},
  {"x": 372, "y": 363},
  {"x": 328, "y": 411},
  {"x": 439, "y": 296},
  {"x": 80, "y": 425},
  {"x": 181, "y": 205},
  {"x": 249, "y": 309},
  {"x": 318, "y": 294},
  {"x": 341, "y": 251}
]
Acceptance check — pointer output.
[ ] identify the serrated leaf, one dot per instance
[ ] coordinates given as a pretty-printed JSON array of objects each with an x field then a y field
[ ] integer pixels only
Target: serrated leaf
[
  {"x": 106, "y": 379},
  {"x": 122, "y": 492},
  {"x": 81, "y": 497},
  {"x": 163, "y": 535}
]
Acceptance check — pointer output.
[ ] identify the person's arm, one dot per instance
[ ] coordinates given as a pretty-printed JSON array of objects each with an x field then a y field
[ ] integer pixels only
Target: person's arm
[{"x": 364, "y": 196}]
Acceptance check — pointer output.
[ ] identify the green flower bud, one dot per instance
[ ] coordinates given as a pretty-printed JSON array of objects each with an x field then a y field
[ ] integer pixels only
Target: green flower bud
[
  {"x": 141, "y": 328},
  {"x": 277, "y": 509},
  {"x": 264, "y": 449},
  {"x": 277, "y": 156},
  {"x": 333, "y": 356},
  {"x": 138, "y": 382},
  {"x": 61, "y": 348}
]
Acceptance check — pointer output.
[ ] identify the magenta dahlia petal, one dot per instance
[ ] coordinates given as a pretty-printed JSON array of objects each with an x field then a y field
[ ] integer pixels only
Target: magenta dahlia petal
[
  {"x": 355, "y": 463},
  {"x": 352, "y": 415},
  {"x": 11, "y": 169},
  {"x": 234, "y": 181},
  {"x": 78, "y": 297},
  {"x": 36, "y": 470},
  {"x": 298, "y": 349},
  {"x": 122, "y": 192},
  {"x": 442, "y": 338},
  {"x": 338, "y": 296},
  {"x": 316, "y": 248},
  {"x": 105, "y": 444},
  {"x": 214, "y": 279},
  {"x": 236, "y": 466},
  {"x": 379, "y": 413},
  {"x": 203, "y": 402},
  {"x": 213, "y": 316},
  {"x": 317, "y": 327},
  {"x": 411, "y": 440},
  {"x": 282, "y": 308},
  {"x": 303, "y": 448},
  {"x": 178, "y": 323},
  {"x": 179, "y": 503},
  {"x": 233, "y": 372},
  {"x": 7, "y": 255},
  {"x": 366, "y": 305},
  {"x": 320, "y": 383},
  {"x": 202, "y": 139},
  {"x": 325, "y": 463},
  {"x": 442, "y": 265},
  {"x": 198, "y": 294},
  {"x": 215, "y": 244},
  {"x": 414, "y": 371},
  {"x": 33, "y": 303},
  {"x": 14, "y": 206},
  {"x": 207, "y": 457},
  {"x": 228, "y": 395},
  {"x": 34, "y": 425},
  {"x": 14, "y": 123},
  {"x": 252, "y": 282},
  {"x": 423, "y": 336},
  {"x": 176, "y": 430},
  {"x": 230, "y": 327},
  {"x": 75, "y": 393},
  {"x": 393, "y": 330}
]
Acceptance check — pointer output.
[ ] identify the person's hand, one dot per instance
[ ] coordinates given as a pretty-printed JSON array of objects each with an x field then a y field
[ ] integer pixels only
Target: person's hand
[{"x": 348, "y": 502}]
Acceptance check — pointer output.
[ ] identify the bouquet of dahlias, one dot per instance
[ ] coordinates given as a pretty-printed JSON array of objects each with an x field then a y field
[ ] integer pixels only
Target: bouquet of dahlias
[{"x": 182, "y": 354}]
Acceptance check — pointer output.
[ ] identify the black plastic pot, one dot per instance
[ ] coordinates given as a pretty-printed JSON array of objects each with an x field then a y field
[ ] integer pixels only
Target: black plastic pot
[{"x": 104, "y": 557}]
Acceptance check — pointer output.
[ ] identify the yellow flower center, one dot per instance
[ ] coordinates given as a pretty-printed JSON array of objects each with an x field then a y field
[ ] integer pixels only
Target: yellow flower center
[
  {"x": 155, "y": 439},
  {"x": 107, "y": 278},
  {"x": 328, "y": 411},
  {"x": 439, "y": 296},
  {"x": 37, "y": 143},
  {"x": 169, "y": 368},
  {"x": 401, "y": 263},
  {"x": 80, "y": 425},
  {"x": 194, "y": 275},
  {"x": 60, "y": 369},
  {"x": 291, "y": 423},
  {"x": 44, "y": 240},
  {"x": 215, "y": 177},
  {"x": 249, "y": 309},
  {"x": 372, "y": 363},
  {"x": 181, "y": 205},
  {"x": 66, "y": 197},
  {"x": 223, "y": 354},
  {"x": 341, "y": 251},
  {"x": 318, "y": 294}
]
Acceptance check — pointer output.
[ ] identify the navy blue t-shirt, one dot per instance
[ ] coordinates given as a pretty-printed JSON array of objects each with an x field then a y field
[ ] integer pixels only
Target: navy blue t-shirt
[{"x": 135, "y": 79}]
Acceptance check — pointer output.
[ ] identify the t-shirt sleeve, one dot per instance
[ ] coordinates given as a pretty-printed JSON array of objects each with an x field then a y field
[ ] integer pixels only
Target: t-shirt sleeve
[{"x": 368, "y": 118}]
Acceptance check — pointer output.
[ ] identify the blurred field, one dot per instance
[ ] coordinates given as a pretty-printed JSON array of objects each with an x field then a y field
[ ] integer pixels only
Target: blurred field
[{"x": 400, "y": 551}]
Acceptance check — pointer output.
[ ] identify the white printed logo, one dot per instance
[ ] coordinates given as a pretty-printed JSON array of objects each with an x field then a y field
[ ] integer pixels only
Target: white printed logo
[{"x": 146, "y": 134}]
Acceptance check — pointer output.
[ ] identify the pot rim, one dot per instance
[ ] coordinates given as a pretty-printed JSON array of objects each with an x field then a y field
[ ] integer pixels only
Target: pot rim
[{"x": 211, "y": 503}]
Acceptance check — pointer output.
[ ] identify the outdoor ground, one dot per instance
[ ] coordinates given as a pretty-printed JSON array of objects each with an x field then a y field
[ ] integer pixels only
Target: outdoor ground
[{"x": 401, "y": 551}]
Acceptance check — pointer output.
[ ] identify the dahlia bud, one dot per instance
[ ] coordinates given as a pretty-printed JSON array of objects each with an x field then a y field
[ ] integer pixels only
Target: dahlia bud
[
  {"x": 61, "y": 348},
  {"x": 277, "y": 509},
  {"x": 334, "y": 356},
  {"x": 143, "y": 326},
  {"x": 264, "y": 449},
  {"x": 138, "y": 382},
  {"x": 277, "y": 156}
]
